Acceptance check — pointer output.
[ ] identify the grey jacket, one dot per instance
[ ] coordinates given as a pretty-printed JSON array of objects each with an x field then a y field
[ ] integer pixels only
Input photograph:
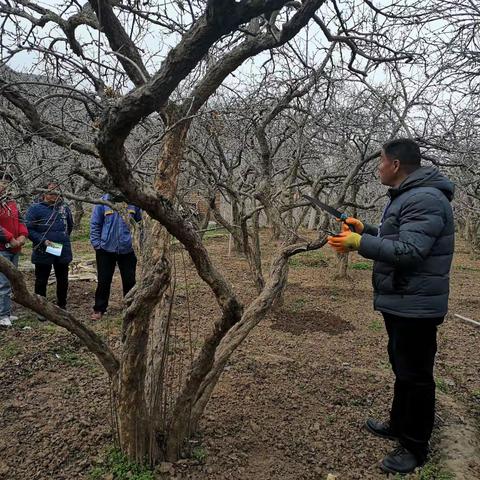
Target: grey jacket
[{"x": 413, "y": 247}]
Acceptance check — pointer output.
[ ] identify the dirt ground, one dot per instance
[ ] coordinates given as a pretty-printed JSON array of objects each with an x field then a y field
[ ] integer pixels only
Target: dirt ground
[{"x": 291, "y": 403}]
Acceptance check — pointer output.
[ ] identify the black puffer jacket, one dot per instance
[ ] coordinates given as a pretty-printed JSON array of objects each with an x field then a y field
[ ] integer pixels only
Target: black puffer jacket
[{"x": 413, "y": 247}]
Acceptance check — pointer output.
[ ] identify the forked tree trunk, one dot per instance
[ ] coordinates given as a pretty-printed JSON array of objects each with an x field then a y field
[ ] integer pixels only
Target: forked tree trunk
[
  {"x": 251, "y": 245},
  {"x": 148, "y": 427},
  {"x": 227, "y": 334},
  {"x": 141, "y": 416}
]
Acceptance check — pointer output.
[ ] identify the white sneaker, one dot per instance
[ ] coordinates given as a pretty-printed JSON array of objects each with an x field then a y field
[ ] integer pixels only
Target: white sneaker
[
  {"x": 13, "y": 318},
  {"x": 5, "y": 322}
]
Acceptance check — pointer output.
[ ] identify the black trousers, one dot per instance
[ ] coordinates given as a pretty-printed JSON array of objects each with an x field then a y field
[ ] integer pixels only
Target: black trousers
[
  {"x": 42, "y": 272},
  {"x": 106, "y": 262},
  {"x": 412, "y": 344}
]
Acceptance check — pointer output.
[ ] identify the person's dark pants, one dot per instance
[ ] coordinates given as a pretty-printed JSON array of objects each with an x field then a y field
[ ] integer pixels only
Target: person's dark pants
[
  {"x": 42, "y": 273},
  {"x": 412, "y": 344},
  {"x": 106, "y": 262}
]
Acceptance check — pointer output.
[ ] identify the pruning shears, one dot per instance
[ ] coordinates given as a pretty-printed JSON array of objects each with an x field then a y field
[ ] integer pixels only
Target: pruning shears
[{"x": 342, "y": 216}]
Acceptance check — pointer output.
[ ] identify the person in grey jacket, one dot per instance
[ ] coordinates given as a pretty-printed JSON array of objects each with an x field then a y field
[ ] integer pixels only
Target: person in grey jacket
[{"x": 413, "y": 249}]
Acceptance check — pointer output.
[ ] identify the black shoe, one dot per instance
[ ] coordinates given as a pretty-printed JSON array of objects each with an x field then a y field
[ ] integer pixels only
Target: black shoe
[
  {"x": 400, "y": 461},
  {"x": 380, "y": 429}
]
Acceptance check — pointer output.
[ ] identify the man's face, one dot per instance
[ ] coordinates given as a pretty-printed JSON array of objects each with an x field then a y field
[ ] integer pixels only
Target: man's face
[
  {"x": 388, "y": 169},
  {"x": 51, "y": 197}
]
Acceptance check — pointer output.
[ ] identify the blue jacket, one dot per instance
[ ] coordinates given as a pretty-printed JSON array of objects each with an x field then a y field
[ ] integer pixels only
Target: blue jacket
[
  {"x": 413, "y": 247},
  {"x": 108, "y": 230},
  {"x": 49, "y": 222}
]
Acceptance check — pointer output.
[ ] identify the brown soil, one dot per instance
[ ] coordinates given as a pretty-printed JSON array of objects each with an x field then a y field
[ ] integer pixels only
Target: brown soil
[
  {"x": 290, "y": 404},
  {"x": 298, "y": 323}
]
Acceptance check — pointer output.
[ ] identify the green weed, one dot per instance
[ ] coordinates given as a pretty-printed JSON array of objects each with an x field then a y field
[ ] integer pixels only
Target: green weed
[
  {"x": 434, "y": 471},
  {"x": 361, "y": 266},
  {"x": 71, "y": 358},
  {"x": 51, "y": 327},
  {"x": 330, "y": 419},
  {"x": 376, "y": 326},
  {"x": 308, "y": 259},
  {"x": 28, "y": 320},
  {"x": 10, "y": 350},
  {"x": 221, "y": 232},
  {"x": 82, "y": 233},
  {"x": 199, "y": 454},
  {"x": 81, "y": 236},
  {"x": 297, "y": 304},
  {"x": 441, "y": 385},
  {"x": 384, "y": 365},
  {"x": 467, "y": 268},
  {"x": 117, "y": 464}
]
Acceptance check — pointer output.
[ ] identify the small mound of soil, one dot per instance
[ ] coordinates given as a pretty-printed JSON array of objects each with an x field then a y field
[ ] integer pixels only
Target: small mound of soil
[{"x": 298, "y": 323}]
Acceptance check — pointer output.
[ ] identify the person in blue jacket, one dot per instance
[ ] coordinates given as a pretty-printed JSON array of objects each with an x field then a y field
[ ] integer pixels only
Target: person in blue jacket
[
  {"x": 49, "y": 221},
  {"x": 111, "y": 238}
]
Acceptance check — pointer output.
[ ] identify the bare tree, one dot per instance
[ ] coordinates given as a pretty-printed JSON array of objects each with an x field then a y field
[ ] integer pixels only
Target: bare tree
[{"x": 135, "y": 126}]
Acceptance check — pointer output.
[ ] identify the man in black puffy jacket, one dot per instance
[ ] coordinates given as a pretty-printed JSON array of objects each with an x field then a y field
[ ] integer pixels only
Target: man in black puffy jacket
[{"x": 412, "y": 248}]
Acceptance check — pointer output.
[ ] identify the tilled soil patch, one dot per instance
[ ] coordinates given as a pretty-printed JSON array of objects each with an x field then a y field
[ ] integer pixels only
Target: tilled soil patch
[
  {"x": 289, "y": 406},
  {"x": 299, "y": 323}
]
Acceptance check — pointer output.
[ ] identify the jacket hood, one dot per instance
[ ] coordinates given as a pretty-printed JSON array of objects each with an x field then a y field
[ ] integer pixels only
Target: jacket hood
[{"x": 426, "y": 177}]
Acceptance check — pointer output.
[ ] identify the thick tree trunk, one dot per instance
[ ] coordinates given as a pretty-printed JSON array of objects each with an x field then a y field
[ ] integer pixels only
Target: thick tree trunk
[
  {"x": 232, "y": 227},
  {"x": 312, "y": 219},
  {"x": 236, "y": 221},
  {"x": 133, "y": 414},
  {"x": 472, "y": 227},
  {"x": 142, "y": 417},
  {"x": 131, "y": 408},
  {"x": 205, "y": 221},
  {"x": 342, "y": 266},
  {"x": 78, "y": 214},
  {"x": 251, "y": 245},
  {"x": 276, "y": 232}
]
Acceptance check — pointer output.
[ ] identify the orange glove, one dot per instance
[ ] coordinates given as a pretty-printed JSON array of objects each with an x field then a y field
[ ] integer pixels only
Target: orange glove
[
  {"x": 355, "y": 223},
  {"x": 345, "y": 242}
]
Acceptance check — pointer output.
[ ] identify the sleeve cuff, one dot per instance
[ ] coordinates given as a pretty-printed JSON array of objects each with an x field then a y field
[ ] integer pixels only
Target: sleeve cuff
[
  {"x": 369, "y": 246},
  {"x": 370, "y": 229}
]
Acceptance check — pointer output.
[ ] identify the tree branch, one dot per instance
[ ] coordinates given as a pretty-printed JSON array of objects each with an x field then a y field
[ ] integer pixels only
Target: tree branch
[
  {"x": 120, "y": 42},
  {"x": 39, "y": 126},
  {"x": 60, "y": 317}
]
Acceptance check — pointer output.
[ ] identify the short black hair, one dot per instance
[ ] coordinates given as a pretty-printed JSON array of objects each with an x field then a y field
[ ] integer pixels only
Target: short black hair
[{"x": 406, "y": 151}]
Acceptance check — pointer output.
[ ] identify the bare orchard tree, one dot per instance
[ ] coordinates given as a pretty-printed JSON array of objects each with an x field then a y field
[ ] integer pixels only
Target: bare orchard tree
[
  {"x": 451, "y": 141},
  {"x": 134, "y": 108},
  {"x": 31, "y": 159},
  {"x": 256, "y": 173}
]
